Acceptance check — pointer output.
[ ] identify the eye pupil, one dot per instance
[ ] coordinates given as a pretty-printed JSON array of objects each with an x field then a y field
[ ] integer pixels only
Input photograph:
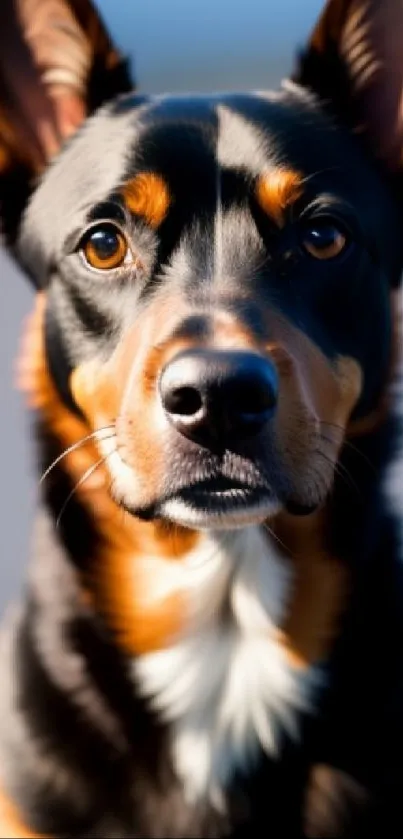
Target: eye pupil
[
  {"x": 105, "y": 243},
  {"x": 322, "y": 236},
  {"x": 105, "y": 247},
  {"x": 323, "y": 240}
]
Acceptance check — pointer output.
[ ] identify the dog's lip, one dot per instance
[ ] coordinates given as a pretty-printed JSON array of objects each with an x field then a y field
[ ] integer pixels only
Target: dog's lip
[
  {"x": 219, "y": 486},
  {"x": 211, "y": 496},
  {"x": 220, "y": 494}
]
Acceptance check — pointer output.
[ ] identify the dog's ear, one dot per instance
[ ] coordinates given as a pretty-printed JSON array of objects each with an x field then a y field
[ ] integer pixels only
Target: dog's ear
[
  {"x": 57, "y": 64},
  {"x": 354, "y": 62}
]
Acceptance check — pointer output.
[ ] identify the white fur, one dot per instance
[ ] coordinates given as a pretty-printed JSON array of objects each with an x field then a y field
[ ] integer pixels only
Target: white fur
[
  {"x": 182, "y": 513},
  {"x": 227, "y": 687},
  {"x": 240, "y": 142}
]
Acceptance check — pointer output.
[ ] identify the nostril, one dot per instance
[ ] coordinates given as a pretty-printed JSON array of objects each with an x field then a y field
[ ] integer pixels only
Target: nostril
[{"x": 184, "y": 401}]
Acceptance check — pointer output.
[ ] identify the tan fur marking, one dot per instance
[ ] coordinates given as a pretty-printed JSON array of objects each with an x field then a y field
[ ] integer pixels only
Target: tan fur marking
[
  {"x": 137, "y": 596},
  {"x": 133, "y": 583},
  {"x": 11, "y": 825},
  {"x": 320, "y": 588},
  {"x": 34, "y": 380},
  {"x": 147, "y": 195},
  {"x": 316, "y": 400},
  {"x": 230, "y": 333},
  {"x": 278, "y": 190},
  {"x": 321, "y": 580}
]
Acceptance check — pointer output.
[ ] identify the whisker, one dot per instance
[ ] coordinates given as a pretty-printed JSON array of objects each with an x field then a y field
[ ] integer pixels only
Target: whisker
[
  {"x": 272, "y": 533},
  {"x": 334, "y": 425},
  {"x": 349, "y": 444},
  {"x": 87, "y": 474},
  {"x": 323, "y": 171},
  {"x": 342, "y": 472},
  {"x": 94, "y": 435}
]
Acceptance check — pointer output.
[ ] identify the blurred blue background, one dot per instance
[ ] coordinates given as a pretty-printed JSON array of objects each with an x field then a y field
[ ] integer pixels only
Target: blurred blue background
[
  {"x": 176, "y": 45},
  {"x": 210, "y": 44}
]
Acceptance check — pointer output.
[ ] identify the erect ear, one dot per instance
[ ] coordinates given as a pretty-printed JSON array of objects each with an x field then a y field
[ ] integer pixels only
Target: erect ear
[
  {"x": 354, "y": 62},
  {"x": 57, "y": 64}
]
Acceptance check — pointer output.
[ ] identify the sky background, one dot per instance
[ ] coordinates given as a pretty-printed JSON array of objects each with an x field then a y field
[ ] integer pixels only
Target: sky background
[
  {"x": 209, "y": 44},
  {"x": 175, "y": 45}
]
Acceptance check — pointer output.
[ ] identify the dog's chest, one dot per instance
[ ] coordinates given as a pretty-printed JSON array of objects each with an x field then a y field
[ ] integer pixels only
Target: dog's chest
[{"x": 227, "y": 687}]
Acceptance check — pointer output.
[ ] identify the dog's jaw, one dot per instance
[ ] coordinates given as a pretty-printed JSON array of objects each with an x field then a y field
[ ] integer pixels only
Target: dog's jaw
[
  {"x": 240, "y": 513},
  {"x": 229, "y": 687}
]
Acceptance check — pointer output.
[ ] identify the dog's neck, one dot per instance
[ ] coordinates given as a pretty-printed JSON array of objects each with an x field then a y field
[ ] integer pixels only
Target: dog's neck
[{"x": 259, "y": 624}]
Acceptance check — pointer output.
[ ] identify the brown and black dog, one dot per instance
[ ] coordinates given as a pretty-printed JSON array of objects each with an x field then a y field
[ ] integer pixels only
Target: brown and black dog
[{"x": 211, "y": 640}]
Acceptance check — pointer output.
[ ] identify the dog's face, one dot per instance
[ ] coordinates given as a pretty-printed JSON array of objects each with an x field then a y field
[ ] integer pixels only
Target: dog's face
[{"x": 218, "y": 273}]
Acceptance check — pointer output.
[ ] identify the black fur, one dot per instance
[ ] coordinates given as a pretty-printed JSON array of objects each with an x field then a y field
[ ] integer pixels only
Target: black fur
[{"x": 84, "y": 754}]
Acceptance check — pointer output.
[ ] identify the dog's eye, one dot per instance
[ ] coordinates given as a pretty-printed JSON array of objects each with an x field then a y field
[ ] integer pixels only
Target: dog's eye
[
  {"x": 105, "y": 247},
  {"x": 323, "y": 239}
]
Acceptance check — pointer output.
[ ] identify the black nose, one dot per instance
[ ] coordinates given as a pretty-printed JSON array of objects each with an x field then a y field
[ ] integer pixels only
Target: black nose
[{"x": 213, "y": 396}]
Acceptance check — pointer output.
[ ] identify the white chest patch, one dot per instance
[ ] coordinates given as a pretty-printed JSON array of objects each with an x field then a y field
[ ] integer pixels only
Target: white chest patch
[{"x": 228, "y": 686}]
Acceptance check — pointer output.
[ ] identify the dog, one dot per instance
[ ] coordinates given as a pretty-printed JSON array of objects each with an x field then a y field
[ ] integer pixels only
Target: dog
[{"x": 210, "y": 641}]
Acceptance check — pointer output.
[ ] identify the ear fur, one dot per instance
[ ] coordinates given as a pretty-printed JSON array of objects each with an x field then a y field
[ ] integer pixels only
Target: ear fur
[
  {"x": 354, "y": 63},
  {"x": 57, "y": 64}
]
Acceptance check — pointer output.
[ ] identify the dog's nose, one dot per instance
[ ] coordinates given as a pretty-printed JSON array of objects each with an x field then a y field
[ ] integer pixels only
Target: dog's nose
[{"x": 211, "y": 396}]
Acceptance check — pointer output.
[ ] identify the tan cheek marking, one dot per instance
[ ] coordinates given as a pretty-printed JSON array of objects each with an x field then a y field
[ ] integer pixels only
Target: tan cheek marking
[
  {"x": 316, "y": 396},
  {"x": 119, "y": 392},
  {"x": 11, "y": 826},
  {"x": 278, "y": 190},
  {"x": 138, "y": 599},
  {"x": 125, "y": 389},
  {"x": 319, "y": 593},
  {"x": 327, "y": 392},
  {"x": 314, "y": 391},
  {"x": 350, "y": 380},
  {"x": 147, "y": 195},
  {"x": 313, "y": 399},
  {"x": 134, "y": 583},
  {"x": 330, "y": 392},
  {"x": 34, "y": 380}
]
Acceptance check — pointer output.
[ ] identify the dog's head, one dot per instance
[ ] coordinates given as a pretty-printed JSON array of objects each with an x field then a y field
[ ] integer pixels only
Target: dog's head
[{"x": 217, "y": 275}]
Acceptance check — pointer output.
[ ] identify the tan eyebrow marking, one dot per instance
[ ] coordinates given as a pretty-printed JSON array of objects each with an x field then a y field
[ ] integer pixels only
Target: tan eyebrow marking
[
  {"x": 277, "y": 190},
  {"x": 147, "y": 195}
]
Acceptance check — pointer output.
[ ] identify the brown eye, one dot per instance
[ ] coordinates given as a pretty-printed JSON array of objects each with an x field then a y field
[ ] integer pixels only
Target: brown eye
[
  {"x": 323, "y": 240},
  {"x": 105, "y": 247}
]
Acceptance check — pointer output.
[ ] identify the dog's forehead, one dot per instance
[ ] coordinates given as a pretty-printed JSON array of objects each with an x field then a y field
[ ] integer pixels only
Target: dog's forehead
[
  {"x": 250, "y": 132},
  {"x": 192, "y": 135}
]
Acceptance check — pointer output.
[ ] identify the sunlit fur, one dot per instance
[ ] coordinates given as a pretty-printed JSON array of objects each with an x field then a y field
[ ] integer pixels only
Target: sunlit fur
[
  {"x": 228, "y": 686},
  {"x": 210, "y": 644}
]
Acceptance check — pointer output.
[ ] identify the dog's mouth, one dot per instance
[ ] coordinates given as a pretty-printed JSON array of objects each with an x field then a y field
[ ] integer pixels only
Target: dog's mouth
[
  {"x": 222, "y": 492},
  {"x": 214, "y": 493},
  {"x": 216, "y": 502}
]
